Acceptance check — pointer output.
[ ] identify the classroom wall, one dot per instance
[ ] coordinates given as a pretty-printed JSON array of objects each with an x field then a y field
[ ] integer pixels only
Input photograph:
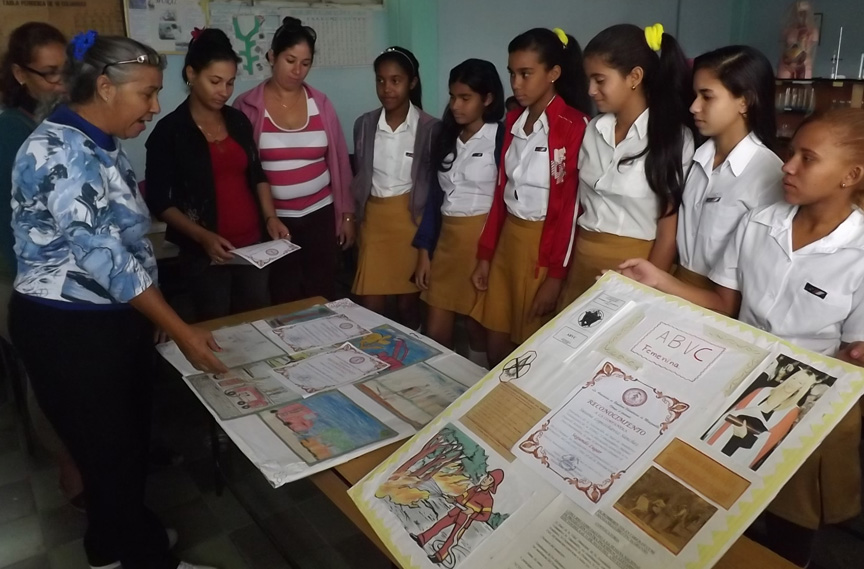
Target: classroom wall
[
  {"x": 763, "y": 20},
  {"x": 483, "y": 28},
  {"x": 352, "y": 91}
]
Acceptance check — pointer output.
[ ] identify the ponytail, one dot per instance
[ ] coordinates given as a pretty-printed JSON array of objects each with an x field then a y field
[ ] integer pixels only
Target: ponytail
[
  {"x": 552, "y": 50},
  {"x": 667, "y": 85},
  {"x": 668, "y": 103}
]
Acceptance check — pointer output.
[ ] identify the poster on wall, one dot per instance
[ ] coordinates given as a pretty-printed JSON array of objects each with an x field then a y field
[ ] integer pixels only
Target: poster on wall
[
  {"x": 69, "y": 16},
  {"x": 344, "y": 34},
  {"x": 165, "y": 25}
]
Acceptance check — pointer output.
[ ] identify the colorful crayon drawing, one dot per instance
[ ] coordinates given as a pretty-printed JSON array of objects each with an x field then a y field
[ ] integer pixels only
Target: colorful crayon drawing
[
  {"x": 417, "y": 394},
  {"x": 397, "y": 348},
  {"x": 325, "y": 426},
  {"x": 448, "y": 497}
]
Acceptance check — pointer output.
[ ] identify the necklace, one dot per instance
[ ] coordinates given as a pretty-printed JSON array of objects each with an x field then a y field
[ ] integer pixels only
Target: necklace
[
  {"x": 212, "y": 138},
  {"x": 301, "y": 94}
]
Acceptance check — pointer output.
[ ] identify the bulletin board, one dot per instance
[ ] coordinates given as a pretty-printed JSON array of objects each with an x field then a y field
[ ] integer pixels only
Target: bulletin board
[
  {"x": 344, "y": 34},
  {"x": 166, "y": 25},
  {"x": 69, "y": 16}
]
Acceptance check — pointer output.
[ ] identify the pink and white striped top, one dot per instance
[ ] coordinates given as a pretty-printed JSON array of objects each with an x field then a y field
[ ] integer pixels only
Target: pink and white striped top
[{"x": 294, "y": 161}]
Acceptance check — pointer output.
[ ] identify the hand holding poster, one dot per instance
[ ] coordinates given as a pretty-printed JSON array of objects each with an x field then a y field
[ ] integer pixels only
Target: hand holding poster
[{"x": 634, "y": 431}]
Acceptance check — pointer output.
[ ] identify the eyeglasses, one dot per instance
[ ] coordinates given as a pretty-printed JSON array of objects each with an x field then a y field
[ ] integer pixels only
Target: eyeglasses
[
  {"x": 144, "y": 58},
  {"x": 54, "y": 77}
]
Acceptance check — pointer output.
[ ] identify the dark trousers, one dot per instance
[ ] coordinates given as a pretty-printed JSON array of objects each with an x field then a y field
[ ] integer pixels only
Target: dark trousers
[
  {"x": 220, "y": 290},
  {"x": 90, "y": 372},
  {"x": 311, "y": 271}
]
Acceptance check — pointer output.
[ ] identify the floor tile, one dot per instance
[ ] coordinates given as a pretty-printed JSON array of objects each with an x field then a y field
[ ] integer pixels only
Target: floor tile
[
  {"x": 256, "y": 549},
  {"x": 193, "y": 521},
  {"x": 323, "y": 559},
  {"x": 257, "y": 496},
  {"x": 217, "y": 552},
  {"x": 16, "y": 501},
  {"x": 227, "y": 510},
  {"x": 14, "y": 467},
  {"x": 46, "y": 489},
  {"x": 362, "y": 553},
  {"x": 170, "y": 487},
  {"x": 20, "y": 540},
  {"x": 69, "y": 556},
  {"x": 38, "y": 562},
  {"x": 10, "y": 440},
  {"x": 62, "y": 525},
  {"x": 330, "y": 522},
  {"x": 8, "y": 415},
  {"x": 293, "y": 532}
]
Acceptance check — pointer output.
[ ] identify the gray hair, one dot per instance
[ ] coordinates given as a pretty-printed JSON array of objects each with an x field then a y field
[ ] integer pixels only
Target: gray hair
[{"x": 103, "y": 58}]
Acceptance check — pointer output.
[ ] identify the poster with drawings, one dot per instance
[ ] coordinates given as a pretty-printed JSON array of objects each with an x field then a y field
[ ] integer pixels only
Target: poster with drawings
[{"x": 344, "y": 34}]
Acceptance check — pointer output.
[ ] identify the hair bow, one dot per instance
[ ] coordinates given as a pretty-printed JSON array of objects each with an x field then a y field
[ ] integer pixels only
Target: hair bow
[
  {"x": 562, "y": 35},
  {"x": 196, "y": 33},
  {"x": 654, "y": 36},
  {"x": 82, "y": 44}
]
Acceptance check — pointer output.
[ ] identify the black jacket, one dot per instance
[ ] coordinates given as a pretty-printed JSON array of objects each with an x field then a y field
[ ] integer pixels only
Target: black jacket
[{"x": 180, "y": 173}]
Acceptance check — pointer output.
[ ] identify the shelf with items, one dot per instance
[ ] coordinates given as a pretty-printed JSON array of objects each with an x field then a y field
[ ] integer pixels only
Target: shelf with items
[{"x": 795, "y": 99}]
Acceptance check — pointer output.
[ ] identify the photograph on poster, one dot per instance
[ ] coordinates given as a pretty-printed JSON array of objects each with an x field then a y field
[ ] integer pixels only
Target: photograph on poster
[
  {"x": 325, "y": 426},
  {"x": 665, "y": 509},
  {"x": 449, "y": 496},
  {"x": 759, "y": 421}
]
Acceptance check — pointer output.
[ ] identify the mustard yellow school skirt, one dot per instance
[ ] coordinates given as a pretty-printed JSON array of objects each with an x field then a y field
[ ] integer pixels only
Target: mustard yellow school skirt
[
  {"x": 514, "y": 279},
  {"x": 450, "y": 286},
  {"x": 687, "y": 276},
  {"x": 595, "y": 253},
  {"x": 827, "y": 488},
  {"x": 386, "y": 260}
]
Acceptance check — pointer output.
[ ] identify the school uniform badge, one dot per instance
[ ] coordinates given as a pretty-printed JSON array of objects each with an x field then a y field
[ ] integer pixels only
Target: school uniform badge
[{"x": 559, "y": 156}]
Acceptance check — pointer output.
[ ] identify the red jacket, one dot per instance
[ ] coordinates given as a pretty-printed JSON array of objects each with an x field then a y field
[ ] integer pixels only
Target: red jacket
[{"x": 566, "y": 129}]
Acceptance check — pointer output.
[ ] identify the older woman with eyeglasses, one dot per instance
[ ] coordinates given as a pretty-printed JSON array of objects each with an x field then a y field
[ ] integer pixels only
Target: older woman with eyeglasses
[{"x": 85, "y": 293}]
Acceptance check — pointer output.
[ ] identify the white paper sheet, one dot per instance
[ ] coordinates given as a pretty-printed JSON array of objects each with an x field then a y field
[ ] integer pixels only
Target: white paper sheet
[
  {"x": 329, "y": 370},
  {"x": 262, "y": 254},
  {"x": 313, "y": 333},
  {"x": 240, "y": 345}
]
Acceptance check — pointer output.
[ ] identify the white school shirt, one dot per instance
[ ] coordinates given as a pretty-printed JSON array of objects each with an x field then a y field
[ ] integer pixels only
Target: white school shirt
[
  {"x": 469, "y": 185},
  {"x": 812, "y": 297},
  {"x": 394, "y": 155},
  {"x": 616, "y": 198},
  {"x": 715, "y": 199},
  {"x": 526, "y": 163}
]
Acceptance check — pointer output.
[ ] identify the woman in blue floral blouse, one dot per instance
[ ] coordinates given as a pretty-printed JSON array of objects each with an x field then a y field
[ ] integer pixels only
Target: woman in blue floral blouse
[{"x": 85, "y": 293}]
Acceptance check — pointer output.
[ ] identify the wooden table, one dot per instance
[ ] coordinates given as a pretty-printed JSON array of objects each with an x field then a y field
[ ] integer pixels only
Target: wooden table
[{"x": 334, "y": 483}]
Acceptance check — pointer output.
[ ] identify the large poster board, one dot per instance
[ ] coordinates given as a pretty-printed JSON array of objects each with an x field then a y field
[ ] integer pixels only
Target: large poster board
[
  {"x": 635, "y": 430},
  {"x": 69, "y": 16},
  {"x": 310, "y": 390}
]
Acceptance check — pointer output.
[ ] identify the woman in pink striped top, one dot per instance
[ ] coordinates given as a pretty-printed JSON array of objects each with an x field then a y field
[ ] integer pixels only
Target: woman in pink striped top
[{"x": 304, "y": 155}]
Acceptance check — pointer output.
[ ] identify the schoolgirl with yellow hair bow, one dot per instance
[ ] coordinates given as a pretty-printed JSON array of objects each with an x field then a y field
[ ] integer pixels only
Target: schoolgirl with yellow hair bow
[
  {"x": 524, "y": 250},
  {"x": 635, "y": 154}
]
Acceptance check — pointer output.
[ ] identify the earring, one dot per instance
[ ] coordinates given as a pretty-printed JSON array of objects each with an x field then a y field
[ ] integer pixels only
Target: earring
[
  {"x": 842, "y": 184},
  {"x": 632, "y": 87}
]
